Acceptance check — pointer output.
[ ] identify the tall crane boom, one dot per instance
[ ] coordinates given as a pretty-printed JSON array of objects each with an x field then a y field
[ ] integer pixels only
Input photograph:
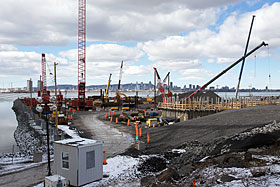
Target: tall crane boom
[
  {"x": 82, "y": 53},
  {"x": 44, "y": 75},
  {"x": 108, "y": 86},
  {"x": 227, "y": 69},
  {"x": 120, "y": 77},
  {"x": 243, "y": 62}
]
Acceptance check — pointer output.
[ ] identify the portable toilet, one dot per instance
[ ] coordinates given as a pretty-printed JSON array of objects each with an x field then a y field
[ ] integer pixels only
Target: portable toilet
[{"x": 78, "y": 160}]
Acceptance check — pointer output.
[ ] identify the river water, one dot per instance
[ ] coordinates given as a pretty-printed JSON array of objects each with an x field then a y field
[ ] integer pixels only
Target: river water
[{"x": 8, "y": 122}]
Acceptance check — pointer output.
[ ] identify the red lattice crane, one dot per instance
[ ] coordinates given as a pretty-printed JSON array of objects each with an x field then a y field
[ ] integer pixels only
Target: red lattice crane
[
  {"x": 45, "y": 94},
  {"x": 82, "y": 53}
]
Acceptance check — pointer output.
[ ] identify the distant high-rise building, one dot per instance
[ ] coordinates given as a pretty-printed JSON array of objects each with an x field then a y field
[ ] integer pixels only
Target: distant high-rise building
[
  {"x": 171, "y": 85},
  {"x": 39, "y": 85},
  {"x": 141, "y": 86},
  {"x": 150, "y": 85},
  {"x": 29, "y": 85}
]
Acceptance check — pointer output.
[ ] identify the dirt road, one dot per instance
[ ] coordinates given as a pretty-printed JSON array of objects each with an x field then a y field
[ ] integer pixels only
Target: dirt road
[{"x": 115, "y": 142}]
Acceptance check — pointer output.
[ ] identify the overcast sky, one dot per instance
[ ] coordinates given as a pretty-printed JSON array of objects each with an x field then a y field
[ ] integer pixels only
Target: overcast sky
[{"x": 194, "y": 40}]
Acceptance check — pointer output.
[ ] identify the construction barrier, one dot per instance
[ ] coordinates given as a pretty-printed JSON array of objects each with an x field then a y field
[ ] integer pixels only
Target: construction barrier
[
  {"x": 104, "y": 158},
  {"x": 148, "y": 137},
  {"x": 128, "y": 122}
]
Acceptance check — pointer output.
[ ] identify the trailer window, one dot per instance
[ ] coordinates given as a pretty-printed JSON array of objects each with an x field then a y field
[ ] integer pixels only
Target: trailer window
[
  {"x": 65, "y": 160},
  {"x": 90, "y": 159}
]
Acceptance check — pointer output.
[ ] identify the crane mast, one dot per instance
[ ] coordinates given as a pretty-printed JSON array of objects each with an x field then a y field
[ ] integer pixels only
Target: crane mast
[
  {"x": 120, "y": 77},
  {"x": 45, "y": 95},
  {"x": 82, "y": 53},
  {"x": 108, "y": 86}
]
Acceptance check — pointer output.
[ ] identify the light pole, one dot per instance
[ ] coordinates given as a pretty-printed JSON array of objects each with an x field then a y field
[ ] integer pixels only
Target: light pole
[{"x": 45, "y": 111}]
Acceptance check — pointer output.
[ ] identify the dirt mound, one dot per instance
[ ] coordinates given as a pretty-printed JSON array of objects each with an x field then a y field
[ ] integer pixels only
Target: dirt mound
[{"x": 152, "y": 164}]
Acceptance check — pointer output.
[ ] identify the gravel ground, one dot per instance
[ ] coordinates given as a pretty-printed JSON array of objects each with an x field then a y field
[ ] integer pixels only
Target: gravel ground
[{"x": 208, "y": 128}]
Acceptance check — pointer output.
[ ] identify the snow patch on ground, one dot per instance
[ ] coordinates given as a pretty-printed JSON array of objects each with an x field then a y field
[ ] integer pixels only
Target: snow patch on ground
[
  {"x": 121, "y": 171},
  {"x": 68, "y": 131},
  {"x": 178, "y": 150}
]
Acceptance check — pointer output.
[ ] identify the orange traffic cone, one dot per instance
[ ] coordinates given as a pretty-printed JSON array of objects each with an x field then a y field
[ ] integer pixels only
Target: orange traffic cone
[
  {"x": 111, "y": 119},
  {"x": 117, "y": 120},
  {"x": 109, "y": 113},
  {"x": 128, "y": 122},
  {"x": 78, "y": 109},
  {"x": 105, "y": 117},
  {"x": 148, "y": 137},
  {"x": 140, "y": 132},
  {"x": 114, "y": 112}
]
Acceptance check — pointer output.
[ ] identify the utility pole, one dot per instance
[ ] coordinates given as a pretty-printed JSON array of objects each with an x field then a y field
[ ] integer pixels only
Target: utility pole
[{"x": 55, "y": 91}]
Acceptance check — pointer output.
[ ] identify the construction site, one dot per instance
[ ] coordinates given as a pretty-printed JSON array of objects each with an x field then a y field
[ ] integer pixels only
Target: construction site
[{"x": 170, "y": 139}]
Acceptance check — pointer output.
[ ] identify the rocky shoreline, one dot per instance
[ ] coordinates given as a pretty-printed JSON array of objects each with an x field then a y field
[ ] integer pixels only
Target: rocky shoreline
[{"x": 28, "y": 135}]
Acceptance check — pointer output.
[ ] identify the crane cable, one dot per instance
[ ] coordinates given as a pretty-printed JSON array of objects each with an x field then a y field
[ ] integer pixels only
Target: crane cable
[{"x": 269, "y": 73}]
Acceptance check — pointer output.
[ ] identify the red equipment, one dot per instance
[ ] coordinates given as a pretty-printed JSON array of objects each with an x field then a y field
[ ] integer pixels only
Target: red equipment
[
  {"x": 160, "y": 87},
  {"x": 82, "y": 53},
  {"x": 45, "y": 93}
]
